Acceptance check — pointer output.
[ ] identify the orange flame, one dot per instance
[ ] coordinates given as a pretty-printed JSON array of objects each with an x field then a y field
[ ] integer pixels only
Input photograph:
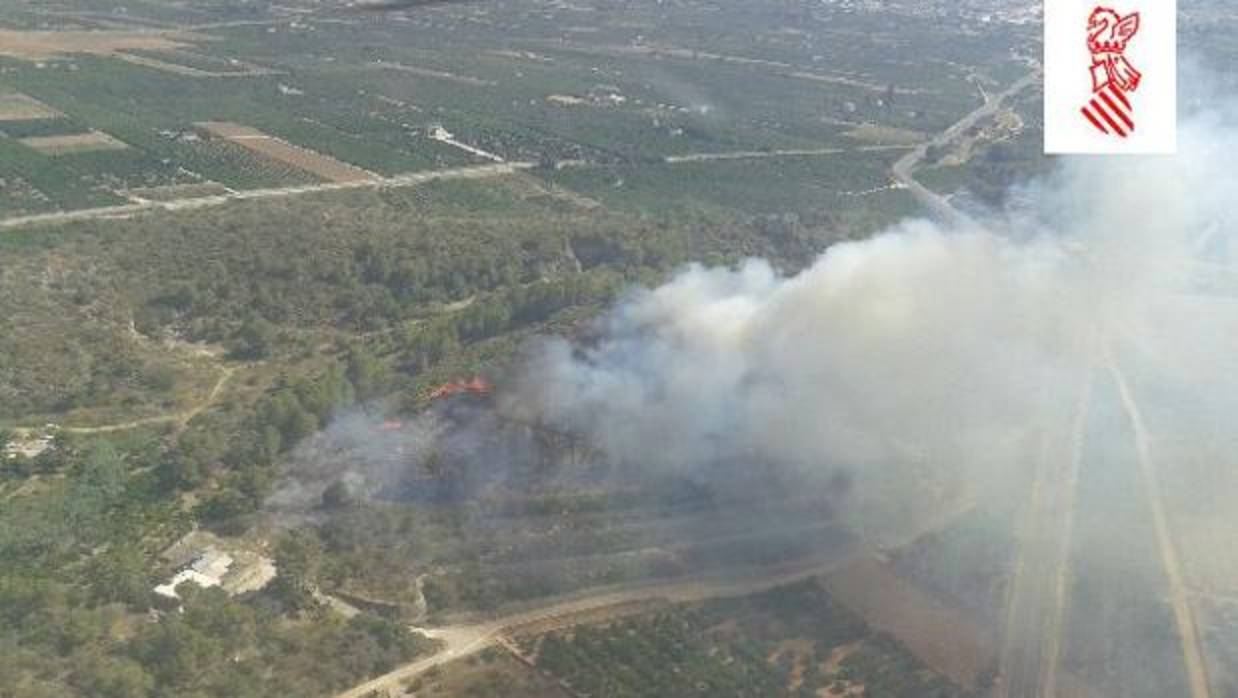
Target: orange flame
[{"x": 476, "y": 386}]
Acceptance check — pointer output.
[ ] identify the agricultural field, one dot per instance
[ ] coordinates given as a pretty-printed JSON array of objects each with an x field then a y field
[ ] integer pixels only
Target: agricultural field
[
  {"x": 966, "y": 565},
  {"x": 789, "y": 641},
  {"x": 254, "y": 140},
  {"x": 15, "y": 106},
  {"x": 945, "y": 638},
  {"x": 491, "y": 673},
  {"x": 840, "y": 184},
  {"x": 61, "y": 43},
  {"x": 72, "y": 143},
  {"x": 555, "y": 85}
]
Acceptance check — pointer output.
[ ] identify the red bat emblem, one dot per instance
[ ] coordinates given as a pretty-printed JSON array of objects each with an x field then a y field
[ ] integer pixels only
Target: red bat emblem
[{"x": 1113, "y": 76}]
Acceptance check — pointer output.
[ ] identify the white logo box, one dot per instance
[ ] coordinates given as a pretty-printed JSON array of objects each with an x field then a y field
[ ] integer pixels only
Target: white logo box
[{"x": 1142, "y": 120}]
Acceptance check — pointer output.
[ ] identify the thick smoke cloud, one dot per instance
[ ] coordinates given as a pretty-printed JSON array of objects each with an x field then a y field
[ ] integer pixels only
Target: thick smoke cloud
[
  {"x": 920, "y": 348},
  {"x": 920, "y": 342}
]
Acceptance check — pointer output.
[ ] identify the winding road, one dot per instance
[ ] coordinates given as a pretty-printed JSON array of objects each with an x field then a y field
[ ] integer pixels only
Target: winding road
[
  {"x": 462, "y": 640},
  {"x": 465, "y": 639},
  {"x": 904, "y": 169}
]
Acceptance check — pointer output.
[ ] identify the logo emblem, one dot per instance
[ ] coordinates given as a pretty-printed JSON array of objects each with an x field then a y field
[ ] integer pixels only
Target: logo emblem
[
  {"x": 1110, "y": 77},
  {"x": 1113, "y": 76}
]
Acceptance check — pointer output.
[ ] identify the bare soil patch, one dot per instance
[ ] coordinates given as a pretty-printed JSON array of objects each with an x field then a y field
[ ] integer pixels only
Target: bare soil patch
[
  {"x": 172, "y": 192},
  {"x": 875, "y": 133},
  {"x": 488, "y": 674},
  {"x": 941, "y": 637},
  {"x": 430, "y": 73},
  {"x": 304, "y": 159},
  {"x": 567, "y": 100},
  {"x": 46, "y": 45},
  {"x": 592, "y": 616},
  {"x": 15, "y": 106},
  {"x": 120, "y": 44},
  {"x": 242, "y": 70},
  {"x": 73, "y": 143}
]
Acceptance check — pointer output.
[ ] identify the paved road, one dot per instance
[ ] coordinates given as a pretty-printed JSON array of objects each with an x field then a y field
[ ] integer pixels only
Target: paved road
[
  {"x": 765, "y": 154},
  {"x": 1036, "y": 605},
  {"x": 128, "y": 210},
  {"x": 499, "y": 169},
  {"x": 904, "y": 169},
  {"x": 1036, "y": 602}
]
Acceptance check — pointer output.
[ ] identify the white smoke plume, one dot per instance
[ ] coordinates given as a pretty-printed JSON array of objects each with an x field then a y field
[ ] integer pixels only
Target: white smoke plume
[
  {"x": 919, "y": 345},
  {"x": 936, "y": 368},
  {"x": 920, "y": 350}
]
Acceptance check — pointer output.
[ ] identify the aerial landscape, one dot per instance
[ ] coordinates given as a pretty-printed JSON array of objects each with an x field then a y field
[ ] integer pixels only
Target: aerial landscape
[{"x": 605, "y": 348}]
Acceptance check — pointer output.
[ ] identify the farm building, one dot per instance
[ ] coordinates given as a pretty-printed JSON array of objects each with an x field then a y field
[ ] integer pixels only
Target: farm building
[
  {"x": 29, "y": 444},
  {"x": 207, "y": 561},
  {"x": 207, "y": 570}
]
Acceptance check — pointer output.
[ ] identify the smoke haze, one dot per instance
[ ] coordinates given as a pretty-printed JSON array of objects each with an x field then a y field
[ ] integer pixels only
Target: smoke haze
[
  {"x": 919, "y": 344},
  {"x": 1086, "y": 339},
  {"x": 919, "y": 347}
]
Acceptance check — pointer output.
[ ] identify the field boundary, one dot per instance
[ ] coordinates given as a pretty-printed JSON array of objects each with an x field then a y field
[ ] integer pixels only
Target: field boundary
[
  {"x": 121, "y": 211},
  {"x": 296, "y": 156}
]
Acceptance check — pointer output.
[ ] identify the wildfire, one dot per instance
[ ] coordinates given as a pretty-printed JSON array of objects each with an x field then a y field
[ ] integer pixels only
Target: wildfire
[{"x": 476, "y": 386}]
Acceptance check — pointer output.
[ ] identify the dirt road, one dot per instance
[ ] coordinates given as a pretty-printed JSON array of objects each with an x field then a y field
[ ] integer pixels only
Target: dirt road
[
  {"x": 179, "y": 418},
  {"x": 465, "y": 639}
]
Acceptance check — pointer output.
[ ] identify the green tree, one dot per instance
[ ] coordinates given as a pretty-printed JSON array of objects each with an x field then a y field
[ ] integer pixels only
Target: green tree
[
  {"x": 254, "y": 340},
  {"x": 298, "y": 557},
  {"x": 339, "y": 495},
  {"x": 365, "y": 372},
  {"x": 176, "y": 653},
  {"x": 120, "y": 574},
  {"x": 110, "y": 677},
  {"x": 97, "y": 488}
]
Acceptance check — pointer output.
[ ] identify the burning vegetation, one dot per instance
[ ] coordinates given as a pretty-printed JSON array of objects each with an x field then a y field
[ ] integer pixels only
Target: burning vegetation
[{"x": 475, "y": 386}]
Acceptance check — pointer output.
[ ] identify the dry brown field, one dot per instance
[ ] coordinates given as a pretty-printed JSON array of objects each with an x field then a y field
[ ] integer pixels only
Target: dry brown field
[
  {"x": 15, "y": 106},
  {"x": 46, "y": 45},
  {"x": 261, "y": 143},
  {"x": 73, "y": 143}
]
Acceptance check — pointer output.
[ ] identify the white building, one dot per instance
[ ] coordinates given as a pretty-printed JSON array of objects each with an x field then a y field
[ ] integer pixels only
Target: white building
[{"x": 206, "y": 570}]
